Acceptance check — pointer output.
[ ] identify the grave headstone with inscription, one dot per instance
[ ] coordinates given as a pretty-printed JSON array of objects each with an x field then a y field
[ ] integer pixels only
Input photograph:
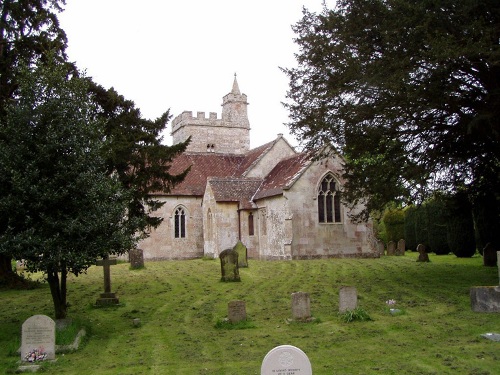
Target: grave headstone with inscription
[
  {"x": 348, "y": 299},
  {"x": 486, "y": 298},
  {"x": 301, "y": 306},
  {"x": 286, "y": 360},
  {"x": 38, "y": 340},
  {"x": 136, "y": 257},
  {"x": 391, "y": 248},
  {"x": 236, "y": 311},
  {"x": 242, "y": 254},
  {"x": 229, "y": 265}
]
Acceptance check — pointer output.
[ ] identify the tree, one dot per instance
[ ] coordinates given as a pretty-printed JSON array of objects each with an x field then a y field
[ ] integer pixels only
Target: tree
[
  {"x": 408, "y": 92},
  {"x": 62, "y": 209},
  {"x": 29, "y": 31}
]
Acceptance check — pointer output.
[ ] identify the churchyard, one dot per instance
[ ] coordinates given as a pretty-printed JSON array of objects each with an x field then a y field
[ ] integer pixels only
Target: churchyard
[{"x": 171, "y": 318}]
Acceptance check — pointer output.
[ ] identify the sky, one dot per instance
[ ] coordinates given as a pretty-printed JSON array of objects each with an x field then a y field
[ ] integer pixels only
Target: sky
[{"x": 181, "y": 55}]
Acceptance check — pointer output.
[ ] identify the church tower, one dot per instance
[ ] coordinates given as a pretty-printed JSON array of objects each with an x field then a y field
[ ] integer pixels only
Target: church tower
[{"x": 227, "y": 135}]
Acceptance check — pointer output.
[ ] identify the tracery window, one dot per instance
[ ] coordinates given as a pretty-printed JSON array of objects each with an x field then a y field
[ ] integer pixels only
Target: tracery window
[
  {"x": 329, "y": 200},
  {"x": 180, "y": 223}
]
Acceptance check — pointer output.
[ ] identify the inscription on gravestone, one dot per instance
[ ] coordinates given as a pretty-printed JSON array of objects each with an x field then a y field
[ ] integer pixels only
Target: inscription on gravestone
[
  {"x": 236, "y": 311},
  {"x": 286, "y": 360},
  {"x": 38, "y": 339}
]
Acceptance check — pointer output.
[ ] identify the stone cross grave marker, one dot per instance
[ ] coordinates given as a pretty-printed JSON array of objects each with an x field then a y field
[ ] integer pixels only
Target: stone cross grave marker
[
  {"x": 301, "y": 306},
  {"x": 229, "y": 265},
  {"x": 108, "y": 297},
  {"x": 38, "y": 341},
  {"x": 136, "y": 257},
  {"x": 348, "y": 299},
  {"x": 236, "y": 311},
  {"x": 391, "y": 248},
  {"x": 286, "y": 360}
]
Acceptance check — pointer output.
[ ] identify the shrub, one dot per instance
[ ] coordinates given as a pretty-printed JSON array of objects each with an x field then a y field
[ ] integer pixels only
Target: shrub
[{"x": 358, "y": 314}]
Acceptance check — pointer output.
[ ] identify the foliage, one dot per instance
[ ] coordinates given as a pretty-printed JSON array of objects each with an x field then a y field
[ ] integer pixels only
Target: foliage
[
  {"x": 62, "y": 210},
  {"x": 393, "y": 220},
  {"x": 29, "y": 33},
  {"x": 358, "y": 314},
  {"x": 410, "y": 228},
  {"x": 406, "y": 90},
  {"x": 136, "y": 155},
  {"x": 460, "y": 226}
]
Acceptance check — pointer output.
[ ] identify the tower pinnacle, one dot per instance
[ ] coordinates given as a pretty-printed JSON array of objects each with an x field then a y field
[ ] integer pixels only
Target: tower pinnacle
[{"x": 236, "y": 89}]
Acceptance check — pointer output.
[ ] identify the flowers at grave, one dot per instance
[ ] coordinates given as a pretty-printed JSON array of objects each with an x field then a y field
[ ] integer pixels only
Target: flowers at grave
[
  {"x": 35, "y": 355},
  {"x": 391, "y": 304}
]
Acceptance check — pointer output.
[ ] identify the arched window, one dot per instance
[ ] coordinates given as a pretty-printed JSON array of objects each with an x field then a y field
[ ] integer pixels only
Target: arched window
[
  {"x": 250, "y": 224},
  {"x": 180, "y": 223},
  {"x": 329, "y": 201}
]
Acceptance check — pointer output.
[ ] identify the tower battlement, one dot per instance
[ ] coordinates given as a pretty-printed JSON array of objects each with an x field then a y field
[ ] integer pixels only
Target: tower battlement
[{"x": 228, "y": 134}]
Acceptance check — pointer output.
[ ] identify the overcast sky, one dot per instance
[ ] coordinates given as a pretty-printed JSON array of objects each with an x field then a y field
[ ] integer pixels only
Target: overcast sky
[{"x": 182, "y": 54}]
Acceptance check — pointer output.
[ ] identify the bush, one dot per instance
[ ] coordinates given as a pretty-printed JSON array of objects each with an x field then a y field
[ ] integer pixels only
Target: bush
[
  {"x": 460, "y": 226},
  {"x": 394, "y": 223}
]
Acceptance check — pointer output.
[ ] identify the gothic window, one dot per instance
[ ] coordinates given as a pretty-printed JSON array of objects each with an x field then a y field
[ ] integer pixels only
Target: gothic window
[
  {"x": 250, "y": 224},
  {"x": 180, "y": 223},
  {"x": 329, "y": 200}
]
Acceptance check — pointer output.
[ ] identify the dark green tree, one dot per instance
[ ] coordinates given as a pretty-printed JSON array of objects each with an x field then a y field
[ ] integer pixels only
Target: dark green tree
[
  {"x": 62, "y": 209},
  {"x": 408, "y": 91},
  {"x": 29, "y": 31}
]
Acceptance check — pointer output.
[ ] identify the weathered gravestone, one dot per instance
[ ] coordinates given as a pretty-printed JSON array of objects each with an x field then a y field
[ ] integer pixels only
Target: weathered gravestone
[
  {"x": 229, "y": 265},
  {"x": 422, "y": 253},
  {"x": 486, "y": 298},
  {"x": 286, "y": 360},
  {"x": 348, "y": 299},
  {"x": 38, "y": 341},
  {"x": 489, "y": 255},
  {"x": 108, "y": 297},
  {"x": 136, "y": 257},
  {"x": 400, "y": 250},
  {"x": 242, "y": 254},
  {"x": 380, "y": 248},
  {"x": 301, "y": 306},
  {"x": 391, "y": 248},
  {"x": 236, "y": 311}
]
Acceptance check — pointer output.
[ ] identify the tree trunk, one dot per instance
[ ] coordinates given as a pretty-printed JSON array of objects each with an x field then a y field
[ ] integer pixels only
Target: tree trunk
[
  {"x": 7, "y": 275},
  {"x": 58, "y": 291}
]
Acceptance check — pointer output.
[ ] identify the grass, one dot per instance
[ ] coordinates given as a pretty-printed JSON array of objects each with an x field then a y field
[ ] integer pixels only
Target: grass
[{"x": 181, "y": 305}]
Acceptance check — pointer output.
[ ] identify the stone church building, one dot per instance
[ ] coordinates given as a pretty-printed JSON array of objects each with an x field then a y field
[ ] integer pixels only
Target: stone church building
[{"x": 279, "y": 203}]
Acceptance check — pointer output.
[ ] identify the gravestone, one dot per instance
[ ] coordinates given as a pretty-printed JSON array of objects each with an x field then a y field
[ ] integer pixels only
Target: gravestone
[
  {"x": 136, "y": 257},
  {"x": 286, "y": 360},
  {"x": 486, "y": 298},
  {"x": 489, "y": 256},
  {"x": 380, "y": 248},
  {"x": 242, "y": 254},
  {"x": 229, "y": 265},
  {"x": 401, "y": 247},
  {"x": 422, "y": 254},
  {"x": 38, "y": 341},
  {"x": 348, "y": 299},
  {"x": 391, "y": 248},
  {"x": 108, "y": 297},
  {"x": 301, "y": 306},
  {"x": 236, "y": 311}
]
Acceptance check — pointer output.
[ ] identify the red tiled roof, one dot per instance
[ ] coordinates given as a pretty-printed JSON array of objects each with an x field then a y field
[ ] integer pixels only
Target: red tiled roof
[
  {"x": 283, "y": 175},
  {"x": 235, "y": 190}
]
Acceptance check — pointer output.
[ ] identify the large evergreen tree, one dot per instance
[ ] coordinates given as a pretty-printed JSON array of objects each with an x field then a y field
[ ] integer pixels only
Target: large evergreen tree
[
  {"x": 62, "y": 209},
  {"x": 29, "y": 30},
  {"x": 408, "y": 91}
]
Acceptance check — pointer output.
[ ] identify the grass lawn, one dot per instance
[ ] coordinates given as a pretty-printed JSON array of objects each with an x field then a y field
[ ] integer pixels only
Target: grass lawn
[{"x": 180, "y": 303}]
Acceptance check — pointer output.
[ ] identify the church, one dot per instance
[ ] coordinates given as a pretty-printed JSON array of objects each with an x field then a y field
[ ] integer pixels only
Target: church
[{"x": 280, "y": 203}]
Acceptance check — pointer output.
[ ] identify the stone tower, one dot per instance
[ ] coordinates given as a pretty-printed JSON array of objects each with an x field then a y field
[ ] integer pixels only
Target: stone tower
[{"x": 227, "y": 135}]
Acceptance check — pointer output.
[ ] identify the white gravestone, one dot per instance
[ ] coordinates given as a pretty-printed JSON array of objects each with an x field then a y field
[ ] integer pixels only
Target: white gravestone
[
  {"x": 38, "y": 340},
  {"x": 286, "y": 360}
]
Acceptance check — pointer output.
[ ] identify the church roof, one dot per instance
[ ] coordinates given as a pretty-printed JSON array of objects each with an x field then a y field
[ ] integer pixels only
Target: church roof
[
  {"x": 235, "y": 190},
  {"x": 283, "y": 175}
]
